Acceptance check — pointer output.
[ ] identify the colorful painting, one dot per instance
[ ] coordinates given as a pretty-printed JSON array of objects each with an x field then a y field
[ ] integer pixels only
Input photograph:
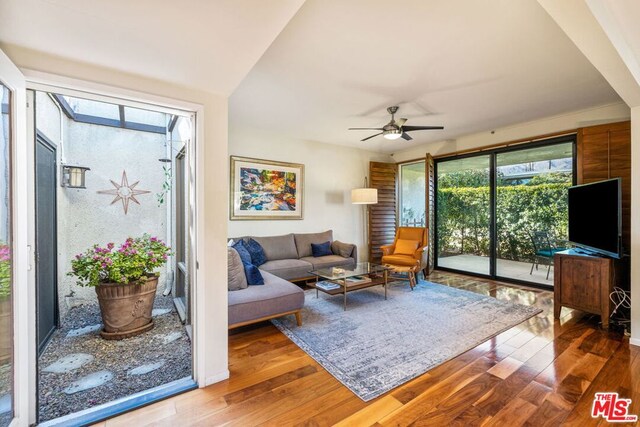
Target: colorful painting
[{"x": 265, "y": 189}]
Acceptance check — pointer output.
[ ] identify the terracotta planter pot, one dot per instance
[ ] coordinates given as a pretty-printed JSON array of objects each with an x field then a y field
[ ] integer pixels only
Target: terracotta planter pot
[
  {"x": 126, "y": 309},
  {"x": 6, "y": 330}
]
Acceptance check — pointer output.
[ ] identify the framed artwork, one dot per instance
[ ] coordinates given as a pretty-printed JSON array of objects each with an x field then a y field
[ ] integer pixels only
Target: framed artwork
[{"x": 265, "y": 189}]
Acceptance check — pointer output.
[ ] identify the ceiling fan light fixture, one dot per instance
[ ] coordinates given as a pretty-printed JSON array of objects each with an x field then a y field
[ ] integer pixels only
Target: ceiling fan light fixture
[{"x": 392, "y": 134}]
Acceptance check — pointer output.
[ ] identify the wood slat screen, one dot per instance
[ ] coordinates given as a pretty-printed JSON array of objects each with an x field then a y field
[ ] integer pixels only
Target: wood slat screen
[
  {"x": 604, "y": 152},
  {"x": 430, "y": 213},
  {"x": 383, "y": 215}
]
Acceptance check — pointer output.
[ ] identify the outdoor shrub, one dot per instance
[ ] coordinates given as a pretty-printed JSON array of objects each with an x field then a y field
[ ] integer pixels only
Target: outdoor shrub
[{"x": 463, "y": 218}]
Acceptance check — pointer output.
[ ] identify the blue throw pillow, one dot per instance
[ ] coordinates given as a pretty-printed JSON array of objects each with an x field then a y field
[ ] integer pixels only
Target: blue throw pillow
[
  {"x": 321, "y": 249},
  {"x": 251, "y": 271},
  {"x": 245, "y": 256},
  {"x": 258, "y": 256},
  {"x": 253, "y": 275}
]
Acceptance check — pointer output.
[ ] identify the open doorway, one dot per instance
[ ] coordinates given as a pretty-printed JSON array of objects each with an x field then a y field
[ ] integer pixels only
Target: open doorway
[{"x": 105, "y": 173}]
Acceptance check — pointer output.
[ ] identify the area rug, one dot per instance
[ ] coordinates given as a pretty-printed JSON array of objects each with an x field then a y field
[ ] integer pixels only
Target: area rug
[{"x": 377, "y": 345}]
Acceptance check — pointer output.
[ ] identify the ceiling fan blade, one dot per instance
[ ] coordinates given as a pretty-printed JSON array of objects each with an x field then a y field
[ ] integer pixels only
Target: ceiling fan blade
[
  {"x": 400, "y": 122},
  {"x": 406, "y": 136},
  {"x": 410, "y": 128},
  {"x": 371, "y": 136},
  {"x": 365, "y": 129}
]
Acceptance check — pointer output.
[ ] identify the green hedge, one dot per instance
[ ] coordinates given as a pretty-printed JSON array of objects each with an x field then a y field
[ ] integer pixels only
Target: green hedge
[{"x": 463, "y": 218}]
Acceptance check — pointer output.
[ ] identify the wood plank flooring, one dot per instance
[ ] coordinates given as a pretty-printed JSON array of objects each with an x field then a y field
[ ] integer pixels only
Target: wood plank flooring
[{"x": 539, "y": 373}]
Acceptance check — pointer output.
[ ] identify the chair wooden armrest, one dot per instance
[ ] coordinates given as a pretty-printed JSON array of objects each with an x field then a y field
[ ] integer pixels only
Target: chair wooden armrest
[{"x": 387, "y": 249}]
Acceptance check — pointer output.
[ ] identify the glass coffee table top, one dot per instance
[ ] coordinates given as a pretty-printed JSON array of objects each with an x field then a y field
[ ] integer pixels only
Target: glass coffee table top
[{"x": 360, "y": 269}]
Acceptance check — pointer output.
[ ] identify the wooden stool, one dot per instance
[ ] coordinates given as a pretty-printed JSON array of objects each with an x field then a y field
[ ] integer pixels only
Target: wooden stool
[{"x": 411, "y": 273}]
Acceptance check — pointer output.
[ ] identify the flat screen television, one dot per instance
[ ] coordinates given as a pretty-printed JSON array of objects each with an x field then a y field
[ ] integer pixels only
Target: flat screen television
[{"x": 595, "y": 217}]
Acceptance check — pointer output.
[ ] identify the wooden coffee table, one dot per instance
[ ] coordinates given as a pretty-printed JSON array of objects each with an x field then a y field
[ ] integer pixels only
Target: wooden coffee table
[{"x": 346, "y": 279}]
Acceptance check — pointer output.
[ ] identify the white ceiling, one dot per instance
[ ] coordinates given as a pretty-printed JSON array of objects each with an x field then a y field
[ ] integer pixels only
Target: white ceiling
[
  {"x": 468, "y": 65},
  {"x": 204, "y": 44}
]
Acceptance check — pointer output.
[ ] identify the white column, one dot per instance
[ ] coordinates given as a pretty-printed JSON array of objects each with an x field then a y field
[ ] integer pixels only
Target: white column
[{"x": 635, "y": 226}]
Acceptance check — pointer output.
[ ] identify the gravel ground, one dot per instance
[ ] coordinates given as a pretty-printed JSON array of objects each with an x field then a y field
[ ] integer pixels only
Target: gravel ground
[
  {"x": 115, "y": 356},
  {"x": 6, "y": 382}
]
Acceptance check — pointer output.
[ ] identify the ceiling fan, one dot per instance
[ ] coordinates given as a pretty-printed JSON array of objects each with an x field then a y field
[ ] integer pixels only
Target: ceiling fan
[{"x": 396, "y": 129}]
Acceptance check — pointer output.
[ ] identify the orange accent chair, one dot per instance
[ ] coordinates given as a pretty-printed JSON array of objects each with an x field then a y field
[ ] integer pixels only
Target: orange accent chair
[{"x": 410, "y": 248}]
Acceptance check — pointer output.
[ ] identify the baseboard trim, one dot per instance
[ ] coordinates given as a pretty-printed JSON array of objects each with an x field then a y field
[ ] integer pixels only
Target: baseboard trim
[
  {"x": 216, "y": 378},
  {"x": 634, "y": 341}
]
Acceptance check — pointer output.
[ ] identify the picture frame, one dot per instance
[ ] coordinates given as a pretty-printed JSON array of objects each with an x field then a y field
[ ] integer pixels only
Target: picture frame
[{"x": 265, "y": 189}]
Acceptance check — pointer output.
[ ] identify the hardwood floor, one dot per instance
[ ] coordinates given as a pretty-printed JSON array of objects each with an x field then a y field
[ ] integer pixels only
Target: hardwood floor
[{"x": 539, "y": 373}]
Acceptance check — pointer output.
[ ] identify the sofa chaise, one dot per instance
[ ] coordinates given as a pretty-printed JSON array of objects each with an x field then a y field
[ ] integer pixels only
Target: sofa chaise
[{"x": 289, "y": 258}]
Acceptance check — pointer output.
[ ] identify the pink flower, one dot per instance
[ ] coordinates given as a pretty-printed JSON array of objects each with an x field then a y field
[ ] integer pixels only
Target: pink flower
[{"x": 110, "y": 246}]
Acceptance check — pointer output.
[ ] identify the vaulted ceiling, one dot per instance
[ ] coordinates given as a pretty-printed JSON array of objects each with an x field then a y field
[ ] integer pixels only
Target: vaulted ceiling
[
  {"x": 322, "y": 66},
  {"x": 470, "y": 66},
  {"x": 209, "y": 45}
]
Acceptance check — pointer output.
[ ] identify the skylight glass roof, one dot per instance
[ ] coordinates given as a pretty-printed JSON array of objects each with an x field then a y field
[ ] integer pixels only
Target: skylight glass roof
[{"x": 114, "y": 115}]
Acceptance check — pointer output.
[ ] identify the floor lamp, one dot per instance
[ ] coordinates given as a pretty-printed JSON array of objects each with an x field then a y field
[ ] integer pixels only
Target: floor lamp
[{"x": 365, "y": 196}]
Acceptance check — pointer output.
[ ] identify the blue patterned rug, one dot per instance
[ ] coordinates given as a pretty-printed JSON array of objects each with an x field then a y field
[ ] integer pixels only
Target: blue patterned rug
[{"x": 377, "y": 345}]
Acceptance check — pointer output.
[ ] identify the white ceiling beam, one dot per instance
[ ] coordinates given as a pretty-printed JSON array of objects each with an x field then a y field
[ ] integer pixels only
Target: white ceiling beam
[{"x": 595, "y": 37}]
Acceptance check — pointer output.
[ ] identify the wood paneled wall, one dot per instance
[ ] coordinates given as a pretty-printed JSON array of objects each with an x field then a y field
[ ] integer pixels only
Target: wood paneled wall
[
  {"x": 383, "y": 215},
  {"x": 604, "y": 152},
  {"x": 430, "y": 204}
]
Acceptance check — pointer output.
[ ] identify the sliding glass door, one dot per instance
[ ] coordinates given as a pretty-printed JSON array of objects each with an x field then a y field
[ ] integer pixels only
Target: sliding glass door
[
  {"x": 503, "y": 213},
  {"x": 463, "y": 214},
  {"x": 531, "y": 210}
]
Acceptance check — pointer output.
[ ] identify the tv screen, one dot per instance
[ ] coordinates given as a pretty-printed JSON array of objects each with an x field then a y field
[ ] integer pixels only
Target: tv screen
[{"x": 595, "y": 216}]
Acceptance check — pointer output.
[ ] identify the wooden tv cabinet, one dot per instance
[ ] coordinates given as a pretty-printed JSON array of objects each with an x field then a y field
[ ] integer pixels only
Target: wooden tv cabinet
[{"x": 583, "y": 282}]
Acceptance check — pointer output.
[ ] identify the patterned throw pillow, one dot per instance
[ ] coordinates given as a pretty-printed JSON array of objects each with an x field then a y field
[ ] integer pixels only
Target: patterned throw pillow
[
  {"x": 258, "y": 256},
  {"x": 321, "y": 249}
]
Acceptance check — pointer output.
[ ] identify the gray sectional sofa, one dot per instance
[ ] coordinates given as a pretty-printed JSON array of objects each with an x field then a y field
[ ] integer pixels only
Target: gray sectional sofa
[{"x": 289, "y": 258}]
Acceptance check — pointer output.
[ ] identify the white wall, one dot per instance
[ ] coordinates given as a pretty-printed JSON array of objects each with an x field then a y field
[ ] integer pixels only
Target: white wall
[
  {"x": 635, "y": 225},
  {"x": 331, "y": 171},
  {"x": 212, "y": 348},
  {"x": 589, "y": 117}
]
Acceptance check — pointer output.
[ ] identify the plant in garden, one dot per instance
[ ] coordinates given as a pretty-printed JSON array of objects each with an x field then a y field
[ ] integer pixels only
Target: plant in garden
[
  {"x": 134, "y": 261},
  {"x": 166, "y": 186},
  {"x": 5, "y": 271}
]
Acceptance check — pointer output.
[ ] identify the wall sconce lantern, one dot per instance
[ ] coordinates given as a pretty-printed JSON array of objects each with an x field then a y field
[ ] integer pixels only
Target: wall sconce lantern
[{"x": 73, "y": 176}]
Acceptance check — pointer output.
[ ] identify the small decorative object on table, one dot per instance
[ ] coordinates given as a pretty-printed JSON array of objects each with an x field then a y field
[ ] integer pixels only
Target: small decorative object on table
[{"x": 125, "y": 282}]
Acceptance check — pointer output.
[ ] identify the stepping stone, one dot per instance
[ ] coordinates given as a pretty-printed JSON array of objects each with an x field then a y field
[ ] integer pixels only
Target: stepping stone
[
  {"x": 160, "y": 311},
  {"x": 145, "y": 369},
  {"x": 90, "y": 381},
  {"x": 69, "y": 363},
  {"x": 173, "y": 336},
  {"x": 84, "y": 331},
  {"x": 5, "y": 404}
]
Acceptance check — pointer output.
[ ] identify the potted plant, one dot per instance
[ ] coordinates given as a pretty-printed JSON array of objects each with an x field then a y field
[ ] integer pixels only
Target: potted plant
[
  {"x": 6, "y": 323},
  {"x": 125, "y": 281}
]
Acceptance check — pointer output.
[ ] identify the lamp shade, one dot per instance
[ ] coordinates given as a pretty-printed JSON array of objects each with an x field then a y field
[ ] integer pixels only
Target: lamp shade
[{"x": 364, "y": 196}]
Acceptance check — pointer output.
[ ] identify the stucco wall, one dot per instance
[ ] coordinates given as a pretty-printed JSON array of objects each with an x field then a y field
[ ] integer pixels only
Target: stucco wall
[{"x": 86, "y": 217}]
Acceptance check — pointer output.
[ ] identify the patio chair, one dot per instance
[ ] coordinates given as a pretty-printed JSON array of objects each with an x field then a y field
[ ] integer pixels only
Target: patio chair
[{"x": 543, "y": 250}]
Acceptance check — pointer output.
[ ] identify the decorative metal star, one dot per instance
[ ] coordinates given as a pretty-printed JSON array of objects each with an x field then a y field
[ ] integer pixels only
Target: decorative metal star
[{"x": 124, "y": 192}]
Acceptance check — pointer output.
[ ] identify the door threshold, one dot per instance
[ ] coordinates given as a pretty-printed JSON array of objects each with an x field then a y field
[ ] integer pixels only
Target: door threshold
[{"x": 122, "y": 405}]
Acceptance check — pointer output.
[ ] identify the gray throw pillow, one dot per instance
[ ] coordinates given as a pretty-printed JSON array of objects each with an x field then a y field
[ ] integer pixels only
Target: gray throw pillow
[
  {"x": 237, "y": 280},
  {"x": 343, "y": 249}
]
